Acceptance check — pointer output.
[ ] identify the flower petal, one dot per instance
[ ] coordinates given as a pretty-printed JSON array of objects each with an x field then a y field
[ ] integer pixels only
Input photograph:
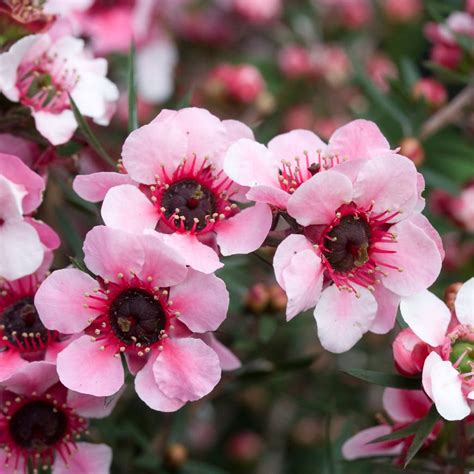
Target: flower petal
[
  {"x": 227, "y": 358},
  {"x": 244, "y": 232},
  {"x": 342, "y": 318},
  {"x": 202, "y": 301},
  {"x": 88, "y": 457},
  {"x": 464, "y": 303},
  {"x": 317, "y": 200},
  {"x": 82, "y": 366},
  {"x": 126, "y": 207},
  {"x": 57, "y": 128},
  {"x": 187, "y": 369},
  {"x": 93, "y": 187},
  {"x": 427, "y": 316},
  {"x": 33, "y": 377},
  {"x": 387, "y": 305},
  {"x": 11, "y": 363},
  {"x": 405, "y": 406},
  {"x": 60, "y": 300}
]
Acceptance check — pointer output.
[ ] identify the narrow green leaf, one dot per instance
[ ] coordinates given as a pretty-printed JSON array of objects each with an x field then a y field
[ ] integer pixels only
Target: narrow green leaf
[
  {"x": 384, "y": 379},
  {"x": 185, "y": 101},
  {"x": 89, "y": 134},
  {"x": 402, "y": 433},
  {"x": 132, "y": 95},
  {"x": 424, "y": 429}
]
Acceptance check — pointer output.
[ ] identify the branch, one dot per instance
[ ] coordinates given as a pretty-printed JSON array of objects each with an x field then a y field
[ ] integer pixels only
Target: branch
[{"x": 448, "y": 113}]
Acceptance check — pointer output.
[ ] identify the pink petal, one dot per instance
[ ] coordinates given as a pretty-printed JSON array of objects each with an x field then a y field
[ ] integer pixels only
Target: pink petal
[
  {"x": 199, "y": 256},
  {"x": 60, "y": 301},
  {"x": 33, "y": 377},
  {"x": 162, "y": 262},
  {"x": 446, "y": 388},
  {"x": 464, "y": 303},
  {"x": 90, "y": 406},
  {"x": 57, "y": 128},
  {"x": 109, "y": 252},
  {"x": 187, "y": 369},
  {"x": 390, "y": 182},
  {"x": 423, "y": 223},
  {"x": 317, "y": 200},
  {"x": 342, "y": 318},
  {"x": 47, "y": 235},
  {"x": 358, "y": 139},
  {"x": 17, "y": 172},
  {"x": 202, "y": 301},
  {"x": 387, "y": 305},
  {"x": 93, "y": 187},
  {"x": 427, "y": 316},
  {"x": 303, "y": 279},
  {"x": 237, "y": 130},
  {"x": 11, "y": 363},
  {"x": 21, "y": 251},
  {"x": 251, "y": 164},
  {"x": 147, "y": 389},
  {"x": 11, "y": 197},
  {"x": 90, "y": 458},
  {"x": 297, "y": 143},
  {"x": 151, "y": 146},
  {"x": 285, "y": 252},
  {"x": 359, "y": 446},
  {"x": 405, "y": 406},
  {"x": 227, "y": 358},
  {"x": 244, "y": 232},
  {"x": 82, "y": 367},
  {"x": 126, "y": 207},
  {"x": 416, "y": 255},
  {"x": 273, "y": 196}
]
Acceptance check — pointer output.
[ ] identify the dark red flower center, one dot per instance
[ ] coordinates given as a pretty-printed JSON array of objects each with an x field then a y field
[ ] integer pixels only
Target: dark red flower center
[
  {"x": 38, "y": 425},
  {"x": 347, "y": 244},
  {"x": 189, "y": 201},
  {"x": 136, "y": 316},
  {"x": 22, "y": 326}
]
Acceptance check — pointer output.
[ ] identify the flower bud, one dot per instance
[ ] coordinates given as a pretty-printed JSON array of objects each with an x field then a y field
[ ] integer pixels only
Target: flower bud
[
  {"x": 257, "y": 298},
  {"x": 244, "y": 447},
  {"x": 412, "y": 148},
  {"x": 175, "y": 456},
  {"x": 278, "y": 298},
  {"x": 409, "y": 352},
  {"x": 450, "y": 294},
  {"x": 431, "y": 90}
]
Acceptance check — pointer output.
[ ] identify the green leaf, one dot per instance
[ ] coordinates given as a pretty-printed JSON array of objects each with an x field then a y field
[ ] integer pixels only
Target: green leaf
[
  {"x": 384, "y": 379},
  {"x": 424, "y": 429},
  {"x": 402, "y": 433},
  {"x": 132, "y": 95},
  {"x": 89, "y": 134},
  {"x": 267, "y": 327},
  {"x": 185, "y": 101}
]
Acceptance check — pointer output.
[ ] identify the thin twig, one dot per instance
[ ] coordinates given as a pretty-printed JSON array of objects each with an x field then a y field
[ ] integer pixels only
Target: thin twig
[{"x": 448, "y": 113}]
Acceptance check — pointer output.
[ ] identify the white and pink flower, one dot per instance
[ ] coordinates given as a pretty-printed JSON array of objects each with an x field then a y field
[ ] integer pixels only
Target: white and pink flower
[
  {"x": 360, "y": 244},
  {"x": 25, "y": 243},
  {"x": 39, "y": 423},
  {"x": 143, "y": 304},
  {"x": 41, "y": 72},
  {"x": 403, "y": 407},
  {"x": 449, "y": 368},
  {"x": 179, "y": 188}
]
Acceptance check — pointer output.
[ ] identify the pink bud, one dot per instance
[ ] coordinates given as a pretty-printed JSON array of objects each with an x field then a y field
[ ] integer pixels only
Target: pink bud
[
  {"x": 431, "y": 90},
  {"x": 294, "y": 61},
  {"x": 402, "y": 10},
  {"x": 244, "y": 447},
  {"x": 409, "y": 352},
  {"x": 446, "y": 55}
]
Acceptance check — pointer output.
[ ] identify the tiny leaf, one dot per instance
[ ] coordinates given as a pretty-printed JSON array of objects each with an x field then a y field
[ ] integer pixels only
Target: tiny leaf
[
  {"x": 384, "y": 379},
  {"x": 132, "y": 95}
]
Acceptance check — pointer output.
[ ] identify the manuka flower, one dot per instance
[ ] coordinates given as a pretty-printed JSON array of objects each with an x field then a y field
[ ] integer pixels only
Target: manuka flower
[
  {"x": 448, "y": 370},
  {"x": 23, "y": 337},
  {"x": 41, "y": 72},
  {"x": 274, "y": 173},
  {"x": 403, "y": 407},
  {"x": 25, "y": 243},
  {"x": 144, "y": 304},
  {"x": 42, "y": 424},
  {"x": 361, "y": 245},
  {"x": 180, "y": 188}
]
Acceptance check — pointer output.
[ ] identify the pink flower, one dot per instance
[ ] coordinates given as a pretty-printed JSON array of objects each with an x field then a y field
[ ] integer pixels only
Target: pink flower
[
  {"x": 446, "y": 50},
  {"x": 177, "y": 161},
  {"x": 295, "y": 61},
  {"x": 144, "y": 304},
  {"x": 431, "y": 90},
  {"x": 330, "y": 62},
  {"x": 381, "y": 69},
  {"x": 262, "y": 11},
  {"x": 448, "y": 369},
  {"x": 275, "y": 172},
  {"x": 360, "y": 245},
  {"x": 404, "y": 407},
  {"x": 23, "y": 337},
  {"x": 351, "y": 14},
  {"x": 24, "y": 241},
  {"x": 402, "y": 10},
  {"x": 241, "y": 83},
  {"x": 39, "y": 422},
  {"x": 40, "y": 73}
]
